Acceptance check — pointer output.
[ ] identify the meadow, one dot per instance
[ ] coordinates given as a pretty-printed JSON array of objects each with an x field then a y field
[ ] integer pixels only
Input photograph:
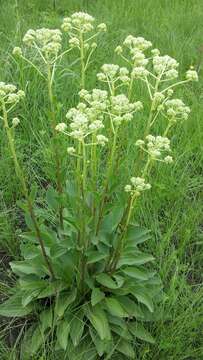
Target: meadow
[{"x": 172, "y": 210}]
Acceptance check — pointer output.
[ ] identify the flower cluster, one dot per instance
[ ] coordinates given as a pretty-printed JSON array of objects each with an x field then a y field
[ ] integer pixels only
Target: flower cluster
[
  {"x": 137, "y": 185},
  {"x": 111, "y": 73},
  {"x": 87, "y": 118},
  {"x": 165, "y": 66},
  {"x": 176, "y": 109},
  {"x": 136, "y": 46},
  {"x": 46, "y": 41},
  {"x": 156, "y": 147},
  {"x": 98, "y": 100},
  {"x": 122, "y": 110},
  {"x": 192, "y": 75},
  {"x": 81, "y": 23},
  {"x": 9, "y": 93}
]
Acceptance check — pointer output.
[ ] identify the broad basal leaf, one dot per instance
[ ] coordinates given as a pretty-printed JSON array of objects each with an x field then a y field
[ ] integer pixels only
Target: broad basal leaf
[
  {"x": 140, "y": 332},
  {"x": 99, "y": 321},
  {"x": 114, "y": 307},
  {"x": 63, "y": 330},
  {"x": 106, "y": 281},
  {"x": 95, "y": 256},
  {"x": 143, "y": 297},
  {"x": 136, "y": 273},
  {"x": 126, "y": 348},
  {"x": 64, "y": 300},
  {"x": 77, "y": 328},
  {"x": 130, "y": 307},
  {"x": 13, "y": 307},
  {"x": 137, "y": 259},
  {"x": 96, "y": 296}
]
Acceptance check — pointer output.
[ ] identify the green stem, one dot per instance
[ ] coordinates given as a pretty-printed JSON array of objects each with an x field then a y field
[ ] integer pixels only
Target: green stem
[
  {"x": 129, "y": 209},
  {"x": 82, "y": 60},
  {"x": 107, "y": 179},
  {"x": 20, "y": 175},
  {"x": 55, "y": 145}
]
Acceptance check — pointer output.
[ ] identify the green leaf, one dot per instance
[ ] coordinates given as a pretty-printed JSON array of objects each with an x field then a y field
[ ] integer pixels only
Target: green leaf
[
  {"x": 101, "y": 345},
  {"x": 95, "y": 256},
  {"x": 106, "y": 281},
  {"x": 33, "y": 266},
  {"x": 28, "y": 296},
  {"x": 99, "y": 321},
  {"x": 46, "y": 318},
  {"x": 51, "y": 289},
  {"x": 77, "y": 328},
  {"x": 121, "y": 332},
  {"x": 111, "y": 220},
  {"x": 143, "y": 297},
  {"x": 52, "y": 198},
  {"x": 57, "y": 251},
  {"x": 37, "y": 340},
  {"x": 65, "y": 299},
  {"x": 130, "y": 307},
  {"x": 126, "y": 348},
  {"x": 137, "y": 259},
  {"x": 137, "y": 235},
  {"x": 115, "y": 308},
  {"x": 136, "y": 273},
  {"x": 13, "y": 307},
  {"x": 63, "y": 330},
  {"x": 140, "y": 332},
  {"x": 96, "y": 296}
]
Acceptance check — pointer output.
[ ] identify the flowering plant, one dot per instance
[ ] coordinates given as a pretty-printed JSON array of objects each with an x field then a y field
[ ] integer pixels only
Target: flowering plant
[{"x": 84, "y": 275}]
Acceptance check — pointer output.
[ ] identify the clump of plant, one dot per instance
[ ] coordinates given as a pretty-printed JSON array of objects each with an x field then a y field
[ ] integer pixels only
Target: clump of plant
[{"x": 84, "y": 280}]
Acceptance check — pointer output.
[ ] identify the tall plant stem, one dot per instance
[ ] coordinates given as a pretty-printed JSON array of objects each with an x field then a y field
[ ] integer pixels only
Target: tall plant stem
[
  {"x": 55, "y": 143},
  {"x": 107, "y": 179},
  {"x": 126, "y": 218},
  {"x": 20, "y": 175},
  {"x": 82, "y": 61}
]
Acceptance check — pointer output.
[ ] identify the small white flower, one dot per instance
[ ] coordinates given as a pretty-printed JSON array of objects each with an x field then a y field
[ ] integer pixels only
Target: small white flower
[
  {"x": 138, "y": 185},
  {"x": 74, "y": 42},
  {"x": 61, "y": 127},
  {"x": 15, "y": 122},
  {"x": 192, "y": 75},
  {"x": 17, "y": 51},
  {"x": 102, "y": 27},
  {"x": 139, "y": 143},
  {"x": 71, "y": 150},
  {"x": 128, "y": 188},
  {"x": 168, "y": 159},
  {"x": 118, "y": 50},
  {"x": 102, "y": 140}
]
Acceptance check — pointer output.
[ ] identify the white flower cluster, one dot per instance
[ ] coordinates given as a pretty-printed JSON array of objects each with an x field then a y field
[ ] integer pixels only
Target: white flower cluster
[
  {"x": 87, "y": 119},
  {"x": 17, "y": 51},
  {"x": 48, "y": 41},
  {"x": 165, "y": 66},
  {"x": 98, "y": 100},
  {"x": 9, "y": 93},
  {"x": 192, "y": 75},
  {"x": 81, "y": 23},
  {"x": 121, "y": 108},
  {"x": 156, "y": 147},
  {"x": 137, "y": 43},
  {"x": 137, "y": 46},
  {"x": 15, "y": 122},
  {"x": 176, "y": 109},
  {"x": 137, "y": 185},
  {"x": 111, "y": 73},
  {"x": 78, "y": 21}
]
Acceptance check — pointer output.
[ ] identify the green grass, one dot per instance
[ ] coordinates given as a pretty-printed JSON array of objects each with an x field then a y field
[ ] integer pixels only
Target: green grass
[{"x": 173, "y": 210}]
